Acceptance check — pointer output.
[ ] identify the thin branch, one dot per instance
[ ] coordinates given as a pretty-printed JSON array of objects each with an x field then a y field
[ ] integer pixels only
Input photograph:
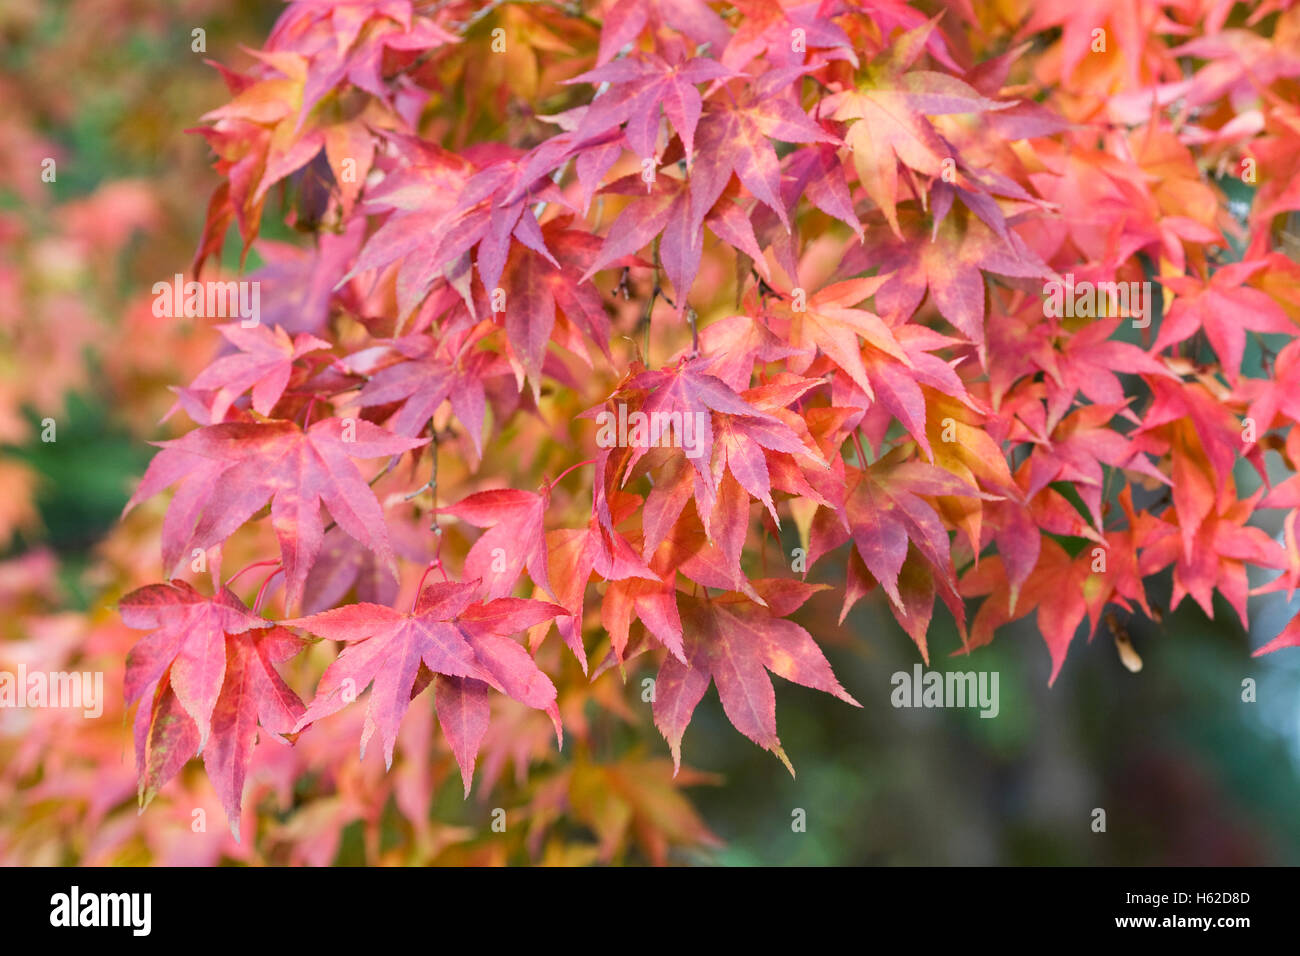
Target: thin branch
[{"x": 656, "y": 292}]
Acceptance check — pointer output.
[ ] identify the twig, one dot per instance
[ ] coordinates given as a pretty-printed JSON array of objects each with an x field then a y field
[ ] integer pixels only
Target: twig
[
  {"x": 656, "y": 292},
  {"x": 432, "y": 483}
]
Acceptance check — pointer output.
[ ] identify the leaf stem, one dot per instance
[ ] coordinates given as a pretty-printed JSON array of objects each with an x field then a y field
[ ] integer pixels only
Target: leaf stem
[
  {"x": 261, "y": 592},
  {"x": 862, "y": 455},
  {"x": 256, "y": 564},
  {"x": 436, "y": 562},
  {"x": 560, "y": 477}
]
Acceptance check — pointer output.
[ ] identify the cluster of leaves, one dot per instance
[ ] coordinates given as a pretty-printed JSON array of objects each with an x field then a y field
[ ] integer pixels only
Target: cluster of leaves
[{"x": 821, "y": 230}]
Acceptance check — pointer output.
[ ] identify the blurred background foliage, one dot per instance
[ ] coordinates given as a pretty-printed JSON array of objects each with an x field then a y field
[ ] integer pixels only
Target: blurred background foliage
[{"x": 1187, "y": 772}]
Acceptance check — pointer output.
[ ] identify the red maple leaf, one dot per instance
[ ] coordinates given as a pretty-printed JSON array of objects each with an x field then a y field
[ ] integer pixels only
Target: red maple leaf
[
  {"x": 252, "y": 695},
  {"x": 264, "y": 363},
  {"x": 536, "y": 288},
  {"x": 1225, "y": 307},
  {"x": 188, "y": 637},
  {"x": 445, "y": 632},
  {"x": 421, "y": 374},
  {"x": 673, "y": 210},
  {"x": 734, "y": 643},
  {"x": 229, "y": 471},
  {"x": 638, "y": 86},
  {"x": 885, "y": 512},
  {"x": 891, "y": 125},
  {"x": 950, "y": 263},
  {"x": 515, "y": 539},
  {"x": 737, "y": 137},
  {"x": 208, "y": 675},
  {"x": 625, "y": 19}
]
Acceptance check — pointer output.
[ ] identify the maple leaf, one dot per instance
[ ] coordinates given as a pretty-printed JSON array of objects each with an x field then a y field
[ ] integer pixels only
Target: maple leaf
[
  {"x": 949, "y": 264},
  {"x": 1279, "y": 153},
  {"x": 768, "y": 25},
  {"x": 1087, "y": 362},
  {"x": 890, "y": 110},
  {"x": 739, "y": 439},
  {"x": 449, "y": 634},
  {"x": 735, "y": 344},
  {"x": 207, "y": 673},
  {"x": 419, "y": 198},
  {"x": 229, "y": 471},
  {"x": 1225, "y": 308},
  {"x": 1062, "y": 589},
  {"x": 276, "y": 110},
  {"x": 737, "y": 138},
  {"x": 272, "y": 109},
  {"x": 829, "y": 323},
  {"x": 188, "y": 642},
  {"x": 442, "y": 207},
  {"x": 1076, "y": 451},
  {"x": 626, "y": 19},
  {"x": 1280, "y": 392},
  {"x": 492, "y": 211},
  {"x": 573, "y": 554},
  {"x": 264, "y": 364},
  {"x": 1221, "y": 546},
  {"x": 761, "y": 451},
  {"x": 535, "y": 288},
  {"x": 1078, "y": 30},
  {"x": 252, "y": 694},
  {"x": 515, "y": 538},
  {"x": 673, "y": 210},
  {"x": 638, "y": 86},
  {"x": 258, "y": 142},
  {"x": 711, "y": 558},
  {"x": 885, "y": 371},
  {"x": 1202, "y": 439},
  {"x": 815, "y": 173},
  {"x": 1065, "y": 589},
  {"x": 733, "y": 642},
  {"x": 884, "y": 510},
  {"x": 425, "y": 375},
  {"x": 360, "y": 31}
]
